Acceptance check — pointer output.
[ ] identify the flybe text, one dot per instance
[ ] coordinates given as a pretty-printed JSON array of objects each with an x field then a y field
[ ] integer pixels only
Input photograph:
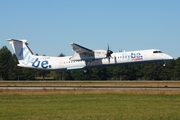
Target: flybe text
[
  {"x": 29, "y": 59},
  {"x": 43, "y": 64},
  {"x": 132, "y": 56}
]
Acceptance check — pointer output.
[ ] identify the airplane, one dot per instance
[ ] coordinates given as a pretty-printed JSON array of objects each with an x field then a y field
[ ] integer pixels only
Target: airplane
[{"x": 83, "y": 58}]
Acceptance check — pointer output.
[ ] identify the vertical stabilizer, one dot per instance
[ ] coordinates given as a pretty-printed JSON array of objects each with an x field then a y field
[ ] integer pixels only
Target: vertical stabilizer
[{"x": 22, "y": 51}]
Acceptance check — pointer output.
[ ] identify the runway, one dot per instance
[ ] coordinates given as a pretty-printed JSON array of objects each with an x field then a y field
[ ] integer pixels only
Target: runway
[{"x": 86, "y": 87}]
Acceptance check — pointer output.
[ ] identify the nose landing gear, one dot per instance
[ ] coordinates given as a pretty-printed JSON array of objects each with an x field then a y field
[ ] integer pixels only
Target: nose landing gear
[{"x": 164, "y": 64}]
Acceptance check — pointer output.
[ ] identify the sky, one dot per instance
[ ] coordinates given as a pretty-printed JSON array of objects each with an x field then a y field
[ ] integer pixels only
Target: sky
[{"x": 51, "y": 25}]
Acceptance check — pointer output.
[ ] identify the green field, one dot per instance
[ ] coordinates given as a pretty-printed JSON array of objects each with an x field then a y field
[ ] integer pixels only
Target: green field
[
  {"x": 92, "y": 83},
  {"x": 88, "y": 106}
]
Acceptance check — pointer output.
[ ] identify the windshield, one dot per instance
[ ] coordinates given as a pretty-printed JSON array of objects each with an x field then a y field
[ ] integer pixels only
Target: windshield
[{"x": 157, "y": 52}]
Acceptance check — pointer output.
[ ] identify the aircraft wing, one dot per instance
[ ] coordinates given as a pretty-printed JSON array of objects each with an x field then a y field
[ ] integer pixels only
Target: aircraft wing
[{"x": 80, "y": 49}]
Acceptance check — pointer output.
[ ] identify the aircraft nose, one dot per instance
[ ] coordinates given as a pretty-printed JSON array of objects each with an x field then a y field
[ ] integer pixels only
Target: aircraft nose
[
  {"x": 171, "y": 58},
  {"x": 168, "y": 57}
]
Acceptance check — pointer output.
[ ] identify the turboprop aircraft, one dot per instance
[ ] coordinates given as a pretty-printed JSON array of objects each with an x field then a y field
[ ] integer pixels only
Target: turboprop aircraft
[{"x": 83, "y": 58}]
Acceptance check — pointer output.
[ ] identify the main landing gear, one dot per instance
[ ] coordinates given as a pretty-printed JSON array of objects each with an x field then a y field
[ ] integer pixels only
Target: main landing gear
[{"x": 85, "y": 71}]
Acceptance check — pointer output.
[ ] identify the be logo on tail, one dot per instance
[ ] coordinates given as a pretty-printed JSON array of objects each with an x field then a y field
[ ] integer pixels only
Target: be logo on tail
[{"x": 26, "y": 55}]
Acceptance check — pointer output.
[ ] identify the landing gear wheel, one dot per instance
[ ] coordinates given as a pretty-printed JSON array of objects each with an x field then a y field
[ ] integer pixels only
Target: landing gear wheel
[
  {"x": 164, "y": 64},
  {"x": 85, "y": 70}
]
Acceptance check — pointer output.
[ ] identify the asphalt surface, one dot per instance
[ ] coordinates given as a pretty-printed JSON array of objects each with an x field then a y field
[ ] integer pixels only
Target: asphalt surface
[{"x": 87, "y": 88}]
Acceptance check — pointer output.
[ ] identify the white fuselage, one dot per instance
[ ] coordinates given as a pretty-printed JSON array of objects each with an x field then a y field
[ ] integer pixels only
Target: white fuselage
[{"x": 64, "y": 63}]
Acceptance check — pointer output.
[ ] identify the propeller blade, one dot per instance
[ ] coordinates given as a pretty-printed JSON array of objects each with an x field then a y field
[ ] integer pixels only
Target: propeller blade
[{"x": 109, "y": 52}]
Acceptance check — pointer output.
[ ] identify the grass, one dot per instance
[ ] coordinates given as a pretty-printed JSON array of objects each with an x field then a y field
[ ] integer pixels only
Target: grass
[
  {"x": 89, "y": 105},
  {"x": 92, "y": 83}
]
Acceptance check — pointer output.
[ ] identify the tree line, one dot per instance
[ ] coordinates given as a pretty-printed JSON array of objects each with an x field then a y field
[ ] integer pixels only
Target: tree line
[{"x": 146, "y": 71}]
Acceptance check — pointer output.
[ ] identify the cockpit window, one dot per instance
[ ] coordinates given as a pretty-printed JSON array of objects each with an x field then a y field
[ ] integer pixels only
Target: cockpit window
[{"x": 157, "y": 52}]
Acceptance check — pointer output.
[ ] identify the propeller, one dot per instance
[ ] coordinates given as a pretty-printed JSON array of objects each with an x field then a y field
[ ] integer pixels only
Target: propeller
[{"x": 108, "y": 55}]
